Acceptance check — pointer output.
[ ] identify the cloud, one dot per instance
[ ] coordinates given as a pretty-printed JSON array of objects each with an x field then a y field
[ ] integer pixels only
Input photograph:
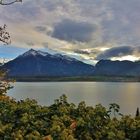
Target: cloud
[
  {"x": 123, "y": 27},
  {"x": 73, "y": 31},
  {"x": 116, "y": 52},
  {"x": 138, "y": 49},
  {"x": 75, "y": 26},
  {"x": 40, "y": 28},
  {"x": 30, "y": 44},
  {"x": 78, "y": 51}
]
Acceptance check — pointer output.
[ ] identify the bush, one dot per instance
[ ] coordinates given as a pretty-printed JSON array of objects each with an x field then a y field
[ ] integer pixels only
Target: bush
[{"x": 26, "y": 119}]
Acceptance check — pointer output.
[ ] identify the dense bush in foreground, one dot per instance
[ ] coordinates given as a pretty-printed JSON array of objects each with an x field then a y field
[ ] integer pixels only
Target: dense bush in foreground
[{"x": 26, "y": 120}]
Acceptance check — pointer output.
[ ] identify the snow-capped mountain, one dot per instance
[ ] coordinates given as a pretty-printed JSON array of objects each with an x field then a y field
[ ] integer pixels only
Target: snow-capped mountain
[
  {"x": 39, "y": 63},
  {"x": 34, "y": 53}
]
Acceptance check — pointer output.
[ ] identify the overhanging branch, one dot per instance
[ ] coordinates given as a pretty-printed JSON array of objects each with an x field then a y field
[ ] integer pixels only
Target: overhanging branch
[
  {"x": 4, "y": 35},
  {"x": 2, "y": 2}
]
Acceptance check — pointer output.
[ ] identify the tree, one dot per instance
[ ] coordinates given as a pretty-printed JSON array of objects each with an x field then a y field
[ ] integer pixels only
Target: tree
[{"x": 137, "y": 113}]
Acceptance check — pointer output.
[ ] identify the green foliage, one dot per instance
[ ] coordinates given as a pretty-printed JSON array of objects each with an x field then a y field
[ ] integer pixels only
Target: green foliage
[{"x": 26, "y": 120}]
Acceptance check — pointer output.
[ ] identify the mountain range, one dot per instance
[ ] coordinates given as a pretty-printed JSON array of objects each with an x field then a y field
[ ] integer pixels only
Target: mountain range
[
  {"x": 38, "y": 63},
  {"x": 117, "y": 68}
]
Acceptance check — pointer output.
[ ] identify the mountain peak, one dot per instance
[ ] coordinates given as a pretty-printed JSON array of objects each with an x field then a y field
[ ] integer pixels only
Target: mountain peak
[
  {"x": 33, "y": 52},
  {"x": 36, "y": 53},
  {"x": 29, "y": 52}
]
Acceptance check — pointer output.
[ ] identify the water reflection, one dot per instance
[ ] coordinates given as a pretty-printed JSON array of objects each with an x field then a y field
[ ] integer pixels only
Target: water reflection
[{"x": 125, "y": 94}]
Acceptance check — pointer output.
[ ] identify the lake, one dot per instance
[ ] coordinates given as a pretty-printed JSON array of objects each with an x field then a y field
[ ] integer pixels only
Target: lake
[{"x": 127, "y": 95}]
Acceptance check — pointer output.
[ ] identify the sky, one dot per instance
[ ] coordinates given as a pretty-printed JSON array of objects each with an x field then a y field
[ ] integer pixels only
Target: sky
[{"x": 89, "y": 30}]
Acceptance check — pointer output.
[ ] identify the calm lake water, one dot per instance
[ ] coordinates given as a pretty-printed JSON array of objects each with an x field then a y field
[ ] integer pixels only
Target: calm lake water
[{"x": 127, "y": 95}]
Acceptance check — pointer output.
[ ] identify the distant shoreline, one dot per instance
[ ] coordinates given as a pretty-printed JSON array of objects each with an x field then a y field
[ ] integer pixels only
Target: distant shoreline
[{"x": 78, "y": 79}]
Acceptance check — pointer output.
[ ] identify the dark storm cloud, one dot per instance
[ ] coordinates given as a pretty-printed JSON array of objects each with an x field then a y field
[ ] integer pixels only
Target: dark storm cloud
[
  {"x": 78, "y": 51},
  {"x": 116, "y": 52},
  {"x": 74, "y": 31}
]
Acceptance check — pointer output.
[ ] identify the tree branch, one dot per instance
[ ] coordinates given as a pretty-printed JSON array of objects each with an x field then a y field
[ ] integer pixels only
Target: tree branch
[
  {"x": 4, "y": 35},
  {"x": 9, "y": 3}
]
